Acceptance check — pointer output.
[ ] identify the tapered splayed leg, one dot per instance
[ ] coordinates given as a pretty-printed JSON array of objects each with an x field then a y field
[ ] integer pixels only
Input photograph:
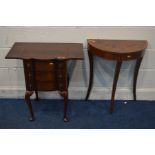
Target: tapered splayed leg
[
  {"x": 64, "y": 94},
  {"x": 117, "y": 71},
  {"x": 91, "y": 74},
  {"x": 28, "y": 94},
  {"x": 137, "y": 66}
]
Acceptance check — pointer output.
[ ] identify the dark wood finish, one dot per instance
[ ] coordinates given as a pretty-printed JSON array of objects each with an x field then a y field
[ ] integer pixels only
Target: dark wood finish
[
  {"x": 46, "y": 51},
  {"x": 28, "y": 94},
  {"x": 49, "y": 79},
  {"x": 37, "y": 96},
  {"x": 91, "y": 74},
  {"x": 119, "y": 50},
  {"x": 137, "y": 66},
  {"x": 117, "y": 71},
  {"x": 65, "y": 95},
  {"x": 44, "y": 75},
  {"x": 45, "y": 68}
]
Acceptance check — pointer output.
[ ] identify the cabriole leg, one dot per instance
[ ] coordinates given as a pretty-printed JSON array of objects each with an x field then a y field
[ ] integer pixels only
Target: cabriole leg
[
  {"x": 64, "y": 94},
  {"x": 28, "y": 94}
]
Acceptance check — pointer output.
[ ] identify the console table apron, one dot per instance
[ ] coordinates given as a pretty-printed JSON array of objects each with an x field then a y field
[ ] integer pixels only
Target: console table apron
[
  {"x": 119, "y": 50},
  {"x": 45, "y": 67}
]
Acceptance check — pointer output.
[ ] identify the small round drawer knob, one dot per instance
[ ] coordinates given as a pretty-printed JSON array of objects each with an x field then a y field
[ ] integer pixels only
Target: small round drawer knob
[
  {"x": 60, "y": 76},
  {"x": 60, "y": 65},
  {"x": 28, "y": 65},
  {"x": 60, "y": 85},
  {"x": 51, "y": 63},
  {"x": 128, "y": 56}
]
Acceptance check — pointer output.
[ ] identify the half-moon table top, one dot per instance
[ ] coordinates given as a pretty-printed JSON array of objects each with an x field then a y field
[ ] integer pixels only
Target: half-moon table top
[
  {"x": 117, "y": 49},
  {"x": 46, "y": 51}
]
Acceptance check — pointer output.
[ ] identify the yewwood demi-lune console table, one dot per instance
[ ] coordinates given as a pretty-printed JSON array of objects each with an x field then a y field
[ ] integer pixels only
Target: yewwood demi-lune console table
[
  {"x": 45, "y": 67},
  {"x": 119, "y": 50}
]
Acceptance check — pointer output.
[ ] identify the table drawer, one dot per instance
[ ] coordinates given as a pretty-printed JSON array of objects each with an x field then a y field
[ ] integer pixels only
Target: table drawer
[
  {"x": 130, "y": 56},
  {"x": 44, "y": 66},
  {"x": 45, "y": 76},
  {"x": 40, "y": 65},
  {"x": 45, "y": 86}
]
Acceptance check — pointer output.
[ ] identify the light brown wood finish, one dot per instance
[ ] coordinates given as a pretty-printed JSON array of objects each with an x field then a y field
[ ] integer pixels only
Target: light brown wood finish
[
  {"x": 119, "y": 50},
  {"x": 45, "y": 67}
]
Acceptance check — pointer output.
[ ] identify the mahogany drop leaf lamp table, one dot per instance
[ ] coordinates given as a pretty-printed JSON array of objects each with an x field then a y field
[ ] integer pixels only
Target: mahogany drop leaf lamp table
[
  {"x": 118, "y": 50},
  {"x": 45, "y": 67}
]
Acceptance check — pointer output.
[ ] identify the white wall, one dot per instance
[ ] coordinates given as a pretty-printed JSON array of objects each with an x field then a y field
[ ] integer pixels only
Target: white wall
[{"x": 11, "y": 71}]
